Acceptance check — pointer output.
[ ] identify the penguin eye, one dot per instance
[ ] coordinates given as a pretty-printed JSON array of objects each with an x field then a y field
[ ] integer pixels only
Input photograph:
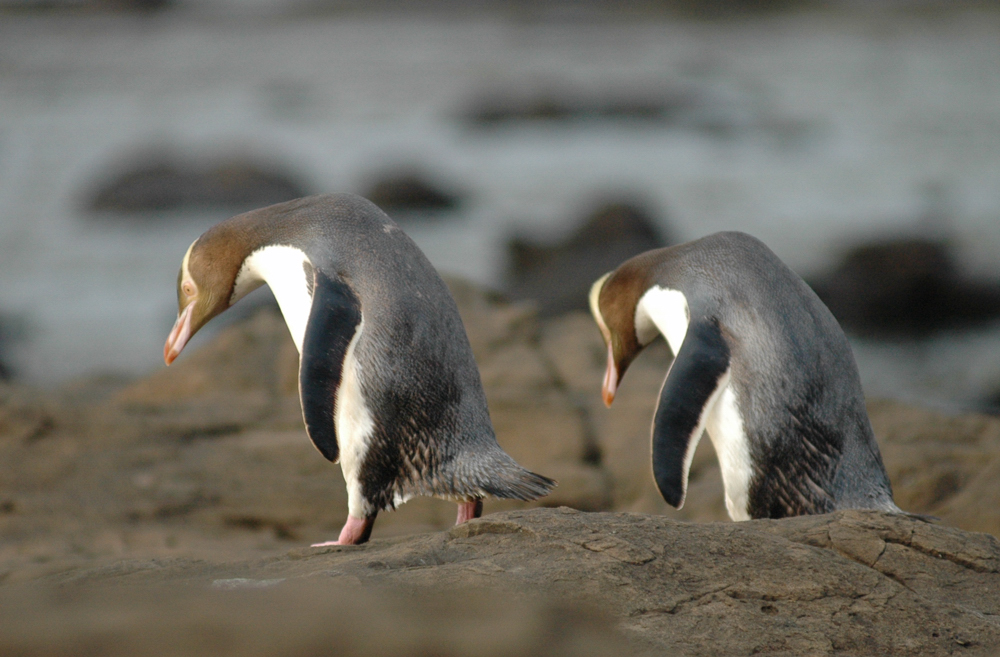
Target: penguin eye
[{"x": 188, "y": 288}]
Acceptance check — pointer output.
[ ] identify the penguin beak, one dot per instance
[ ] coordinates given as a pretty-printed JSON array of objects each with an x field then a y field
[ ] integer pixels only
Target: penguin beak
[
  {"x": 610, "y": 386},
  {"x": 179, "y": 335}
]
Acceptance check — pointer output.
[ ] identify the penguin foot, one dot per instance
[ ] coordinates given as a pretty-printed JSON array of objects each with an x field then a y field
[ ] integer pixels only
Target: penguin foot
[
  {"x": 355, "y": 532},
  {"x": 469, "y": 510}
]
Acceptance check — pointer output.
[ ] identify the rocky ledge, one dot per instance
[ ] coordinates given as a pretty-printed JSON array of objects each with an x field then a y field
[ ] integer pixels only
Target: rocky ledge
[
  {"x": 547, "y": 581},
  {"x": 168, "y": 516}
]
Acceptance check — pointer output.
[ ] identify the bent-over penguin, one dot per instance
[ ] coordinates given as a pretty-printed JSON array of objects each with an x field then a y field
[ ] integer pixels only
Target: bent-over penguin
[
  {"x": 759, "y": 363},
  {"x": 387, "y": 380}
]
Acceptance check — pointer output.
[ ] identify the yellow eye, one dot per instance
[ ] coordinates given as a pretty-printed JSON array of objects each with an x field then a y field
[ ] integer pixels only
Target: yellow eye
[{"x": 188, "y": 288}]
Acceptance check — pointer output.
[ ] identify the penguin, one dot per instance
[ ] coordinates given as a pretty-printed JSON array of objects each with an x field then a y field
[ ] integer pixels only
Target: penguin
[
  {"x": 387, "y": 380},
  {"x": 760, "y": 364}
]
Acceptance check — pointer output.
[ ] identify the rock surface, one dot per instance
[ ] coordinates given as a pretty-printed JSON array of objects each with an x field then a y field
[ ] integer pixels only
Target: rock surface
[
  {"x": 845, "y": 583},
  {"x": 202, "y": 472}
]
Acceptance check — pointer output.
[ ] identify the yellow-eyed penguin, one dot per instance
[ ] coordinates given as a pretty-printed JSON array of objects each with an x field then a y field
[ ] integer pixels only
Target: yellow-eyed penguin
[
  {"x": 387, "y": 380},
  {"x": 760, "y": 364}
]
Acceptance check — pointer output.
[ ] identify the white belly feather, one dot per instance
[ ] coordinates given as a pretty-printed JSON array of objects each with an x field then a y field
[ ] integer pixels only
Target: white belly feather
[
  {"x": 354, "y": 427},
  {"x": 283, "y": 268},
  {"x": 666, "y": 311},
  {"x": 725, "y": 427}
]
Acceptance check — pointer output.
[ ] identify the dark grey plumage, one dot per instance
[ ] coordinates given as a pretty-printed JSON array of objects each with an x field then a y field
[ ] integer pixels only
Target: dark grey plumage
[
  {"x": 387, "y": 378},
  {"x": 432, "y": 432},
  {"x": 790, "y": 367}
]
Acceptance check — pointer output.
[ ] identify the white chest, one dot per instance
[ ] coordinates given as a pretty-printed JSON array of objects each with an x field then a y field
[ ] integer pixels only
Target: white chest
[
  {"x": 665, "y": 311},
  {"x": 283, "y": 269}
]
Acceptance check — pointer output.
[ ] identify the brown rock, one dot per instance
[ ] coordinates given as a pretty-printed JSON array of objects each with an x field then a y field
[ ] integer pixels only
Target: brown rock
[
  {"x": 228, "y": 414},
  {"x": 942, "y": 465},
  {"x": 621, "y": 434},
  {"x": 536, "y": 418},
  {"x": 850, "y": 582},
  {"x": 24, "y": 414},
  {"x": 248, "y": 617},
  {"x": 202, "y": 475},
  {"x": 491, "y": 321},
  {"x": 537, "y": 423},
  {"x": 574, "y": 348},
  {"x": 245, "y": 376}
]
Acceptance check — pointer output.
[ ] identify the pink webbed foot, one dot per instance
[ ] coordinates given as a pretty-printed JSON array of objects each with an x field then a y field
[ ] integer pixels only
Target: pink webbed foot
[
  {"x": 355, "y": 532},
  {"x": 469, "y": 510}
]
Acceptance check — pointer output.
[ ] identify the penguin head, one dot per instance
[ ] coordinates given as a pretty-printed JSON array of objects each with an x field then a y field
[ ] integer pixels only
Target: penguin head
[
  {"x": 205, "y": 286},
  {"x": 612, "y": 302}
]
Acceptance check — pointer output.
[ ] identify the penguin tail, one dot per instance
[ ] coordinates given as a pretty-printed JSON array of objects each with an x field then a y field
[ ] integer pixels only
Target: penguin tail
[
  {"x": 504, "y": 478},
  {"x": 524, "y": 485}
]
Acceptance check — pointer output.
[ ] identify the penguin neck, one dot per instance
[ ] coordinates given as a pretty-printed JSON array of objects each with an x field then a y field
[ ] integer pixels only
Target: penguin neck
[{"x": 287, "y": 270}]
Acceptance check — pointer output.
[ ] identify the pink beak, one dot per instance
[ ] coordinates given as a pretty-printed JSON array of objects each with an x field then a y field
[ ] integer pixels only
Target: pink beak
[
  {"x": 610, "y": 379},
  {"x": 179, "y": 335}
]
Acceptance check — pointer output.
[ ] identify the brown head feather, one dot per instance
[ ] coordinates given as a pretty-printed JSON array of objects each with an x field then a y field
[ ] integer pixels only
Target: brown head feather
[
  {"x": 208, "y": 274},
  {"x": 616, "y": 301}
]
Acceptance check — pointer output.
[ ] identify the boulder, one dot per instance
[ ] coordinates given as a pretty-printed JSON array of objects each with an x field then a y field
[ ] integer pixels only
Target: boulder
[
  {"x": 852, "y": 582},
  {"x": 242, "y": 617},
  {"x": 905, "y": 287},
  {"x": 940, "y": 464},
  {"x": 173, "y": 512},
  {"x": 214, "y": 446},
  {"x": 558, "y": 276},
  {"x": 164, "y": 182},
  {"x": 406, "y": 192},
  {"x": 245, "y": 376}
]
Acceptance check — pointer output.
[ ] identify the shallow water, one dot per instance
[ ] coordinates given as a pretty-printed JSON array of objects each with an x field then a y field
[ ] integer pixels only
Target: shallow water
[{"x": 811, "y": 131}]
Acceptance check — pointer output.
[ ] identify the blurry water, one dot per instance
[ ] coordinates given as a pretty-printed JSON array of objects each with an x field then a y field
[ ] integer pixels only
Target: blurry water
[{"x": 810, "y": 131}]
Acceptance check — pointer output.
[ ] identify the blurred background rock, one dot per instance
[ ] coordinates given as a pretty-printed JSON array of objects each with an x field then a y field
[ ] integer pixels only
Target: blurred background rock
[{"x": 527, "y": 147}]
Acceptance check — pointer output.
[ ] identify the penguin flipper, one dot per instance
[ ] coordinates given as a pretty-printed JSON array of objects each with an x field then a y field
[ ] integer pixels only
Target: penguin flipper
[
  {"x": 333, "y": 322},
  {"x": 691, "y": 387}
]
